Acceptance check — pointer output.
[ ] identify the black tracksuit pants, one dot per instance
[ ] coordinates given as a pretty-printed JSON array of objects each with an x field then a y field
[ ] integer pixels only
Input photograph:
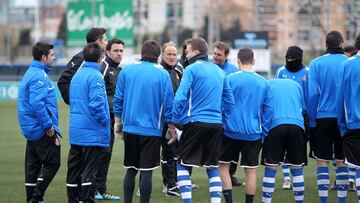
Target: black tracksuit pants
[
  {"x": 168, "y": 163},
  {"x": 101, "y": 176},
  {"x": 83, "y": 165},
  {"x": 42, "y": 161}
]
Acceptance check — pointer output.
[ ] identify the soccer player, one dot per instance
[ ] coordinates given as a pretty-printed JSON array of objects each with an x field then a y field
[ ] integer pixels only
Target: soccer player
[
  {"x": 242, "y": 131},
  {"x": 89, "y": 133},
  {"x": 348, "y": 111},
  {"x": 220, "y": 57},
  {"x": 295, "y": 70},
  {"x": 350, "y": 51},
  {"x": 142, "y": 102},
  {"x": 203, "y": 96},
  {"x": 38, "y": 119},
  {"x": 283, "y": 127},
  {"x": 110, "y": 70},
  {"x": 323, "y": 76}
]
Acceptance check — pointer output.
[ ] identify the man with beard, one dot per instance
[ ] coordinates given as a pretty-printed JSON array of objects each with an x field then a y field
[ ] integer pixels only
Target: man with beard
[{"x": 110, "y": 70}]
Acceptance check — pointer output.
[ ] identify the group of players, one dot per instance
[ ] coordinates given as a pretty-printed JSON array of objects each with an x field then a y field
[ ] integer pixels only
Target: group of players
[{"x": 201, "y": 113}]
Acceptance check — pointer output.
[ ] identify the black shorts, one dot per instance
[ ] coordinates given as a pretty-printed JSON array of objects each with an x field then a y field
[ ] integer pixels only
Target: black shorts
[
  {"x": 231, "y": 148},
  {"x": 200, "y": 144},
  {"x": 351, "y": 143},
  {"x": 289, "y": 139},
  {"x": 141, "y": 152},
  {"x": 326, "y": 140}
]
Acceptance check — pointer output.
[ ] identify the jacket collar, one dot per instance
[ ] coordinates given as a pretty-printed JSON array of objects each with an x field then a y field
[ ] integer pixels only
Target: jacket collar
[
  {"x": 222, "y": 66},
  {"x": 111, "y": 62},
  {"x": 166, "y": 66},
  {"x": 201, "y": 56},
  {"x": 93, "y": 65},
  {"x": 41, "y": 65}
]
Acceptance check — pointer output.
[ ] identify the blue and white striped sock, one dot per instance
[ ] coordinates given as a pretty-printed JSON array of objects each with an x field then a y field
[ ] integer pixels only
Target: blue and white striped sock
[
  {"x": 215, "y": 188},
  {"x": 298, "y": 184},
  {"x": 184, "y": 183},
  {"x": 352, "y": 174},
  {"x": 286, "y": 172},
  {"x": 268, "y": 184},
  {"x": 357, "y": 183},
  {"x": 342, "y": 183},
  {"x": 323, "y": 181}
]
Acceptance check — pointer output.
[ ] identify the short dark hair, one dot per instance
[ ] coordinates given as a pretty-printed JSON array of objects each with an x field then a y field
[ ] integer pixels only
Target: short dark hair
[
  {"x": 350, "y": 49},
  {"x": 92, "y": 52},
  {"x": 184, "y": 46},
  {"x": 199, "y": 44},
  {"x": 94, "y": 34},
  {"x": 150, "y": 50},
  {"x": 334, "y": 39},
  {"x": 245, "y": 55},
  {"x": 40, "y": 49},
  {"x": 114, "y": 41},
  {"x": 170, "y": 43},
  {"x": 222, "y": 46},
  {"x": 357, "y": 41}
]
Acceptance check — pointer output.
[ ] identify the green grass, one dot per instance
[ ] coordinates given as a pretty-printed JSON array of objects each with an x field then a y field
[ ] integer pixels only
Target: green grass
[{"x": 12, "y": 151}]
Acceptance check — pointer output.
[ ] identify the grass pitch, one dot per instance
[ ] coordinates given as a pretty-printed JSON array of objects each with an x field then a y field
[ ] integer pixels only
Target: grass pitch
[{"x": 12, "y": 153}]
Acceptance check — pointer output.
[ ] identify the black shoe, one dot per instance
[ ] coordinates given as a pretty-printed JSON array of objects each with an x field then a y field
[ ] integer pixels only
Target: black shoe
[
  {"x": 352, "y": 186},
  {"x": 174, "y": 191},
  {"x": 236, "y": 183}
]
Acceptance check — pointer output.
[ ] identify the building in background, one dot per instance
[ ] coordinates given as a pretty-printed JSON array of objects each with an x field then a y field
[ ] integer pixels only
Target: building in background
[{"x": 301, "y": 22}]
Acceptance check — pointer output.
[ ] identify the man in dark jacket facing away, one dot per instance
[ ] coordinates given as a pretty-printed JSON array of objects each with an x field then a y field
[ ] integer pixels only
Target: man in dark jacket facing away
[
  {"x": 110, "y": 70},
  {"x": 38, "y": 119},
  {"x": 97, "y": 35},
  {"x": 89, "y": 132}
]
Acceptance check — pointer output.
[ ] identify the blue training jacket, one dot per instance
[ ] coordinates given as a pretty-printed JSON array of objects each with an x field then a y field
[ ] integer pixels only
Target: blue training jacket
[
  {"x": 244, "y": 122},
  {"x": 300, "y": 76},
  {"x": 203, "y": 95},
  {"x": 37, "y": 105},
  {"x": 143, "y": 98},
  {"x": 228, "y": 67},
  {"x": 89, "y": 108},
  {"x": 348, "y": 95},
  {"x": 323, "y": 75},
  {"x": 280, "y": 108}
]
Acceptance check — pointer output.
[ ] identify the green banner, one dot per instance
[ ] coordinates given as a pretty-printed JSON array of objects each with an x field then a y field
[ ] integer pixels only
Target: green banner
[{"x": 114, "y": 15}]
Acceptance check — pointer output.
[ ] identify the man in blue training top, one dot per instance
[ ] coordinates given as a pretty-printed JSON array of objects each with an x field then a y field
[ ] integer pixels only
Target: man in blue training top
[
  {"x": 202, "y": 101},
  {"x": 242, "y": 131},
  {"x": 142, "y": 103},
  {"x": 89, "y": 133},
  {"x": 295, "y": 70},
  {"x": 38, "y": 119},
  {"x": 283, "y": 127},
  {"x": 220, "y": 57},
  {"x": 348, "y": 111},
  {"x": 325, "y": 136}
]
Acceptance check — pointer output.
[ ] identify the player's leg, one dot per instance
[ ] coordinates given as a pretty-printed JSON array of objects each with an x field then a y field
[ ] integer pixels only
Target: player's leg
[{"x": 250, "y": 151}]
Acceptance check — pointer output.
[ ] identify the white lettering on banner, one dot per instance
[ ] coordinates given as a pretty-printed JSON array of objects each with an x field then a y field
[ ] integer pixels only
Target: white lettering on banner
[
  {"x": 78, "y": 22},
  {"x": 13, "y": 92},
  {"x": 3, "y": 92}
]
